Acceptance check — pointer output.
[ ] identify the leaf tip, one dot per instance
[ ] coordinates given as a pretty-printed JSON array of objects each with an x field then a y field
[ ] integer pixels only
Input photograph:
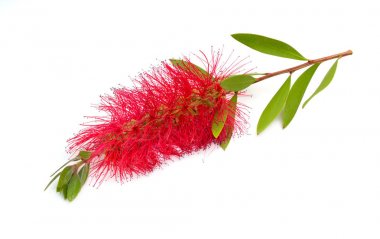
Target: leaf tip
[
  {"x": 258, "y": 131},
  {"x": 304, "y": 104},
  {"x": 285, "y": 122}
]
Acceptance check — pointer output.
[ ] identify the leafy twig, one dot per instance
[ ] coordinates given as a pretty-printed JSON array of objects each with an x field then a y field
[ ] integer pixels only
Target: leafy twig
[{"x": 306, "y": 64}]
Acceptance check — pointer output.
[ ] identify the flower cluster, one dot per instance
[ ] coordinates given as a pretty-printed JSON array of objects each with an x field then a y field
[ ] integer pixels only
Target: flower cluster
[{"x": 169, "y": 113}]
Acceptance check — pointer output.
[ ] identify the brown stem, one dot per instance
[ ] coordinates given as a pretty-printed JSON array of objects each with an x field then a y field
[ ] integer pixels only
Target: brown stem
[{"x": 306, "y": 64}]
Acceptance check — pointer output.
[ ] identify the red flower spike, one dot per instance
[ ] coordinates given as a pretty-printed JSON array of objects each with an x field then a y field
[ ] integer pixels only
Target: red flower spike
[
  {"x": 177, "y": 109},
  {"x": 169, "y": 114}
]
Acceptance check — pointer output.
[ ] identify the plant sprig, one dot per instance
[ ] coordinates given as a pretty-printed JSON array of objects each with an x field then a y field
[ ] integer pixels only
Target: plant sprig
[
  {"x": 288, "y": 98},
  {"x": 71, "y": 178},
  {"x": 73, "y": 174}
]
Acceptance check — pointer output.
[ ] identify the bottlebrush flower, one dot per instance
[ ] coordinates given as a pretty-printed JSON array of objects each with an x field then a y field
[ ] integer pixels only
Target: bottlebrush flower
[
  {"x": 178, "y": 108},
  {"x": 168, "y": 114}
]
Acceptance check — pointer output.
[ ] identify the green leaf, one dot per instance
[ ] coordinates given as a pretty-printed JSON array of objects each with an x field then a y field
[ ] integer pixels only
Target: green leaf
[
  {"x": 325, "y": 82},
  {"x": 65, "y": 177},
  {"x": 71, "y": 160},
  {"x": 226, "y": 142},
  {"x": 52, "y": 180},
  {"x": 218, "y": 122},
  {"x": 229, "y": 130},
  {"x": 64, "y": 191},
  {"x": 274, "y": 107},
  {"x": 296, "y": 94},
  {"x": 237, "y": 82},
  {"x": 84, "y": 155},
  {"x": 83, "y": 173},
  {"x": 268, "y": 46},
  {"x": 73, "y": 188},
  {"x": 182, "y": 63}
]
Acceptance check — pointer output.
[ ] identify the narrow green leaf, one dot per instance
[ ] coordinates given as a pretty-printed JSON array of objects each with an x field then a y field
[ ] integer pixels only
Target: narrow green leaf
[
  {"x": 83, "y": 173},
  {"x": 52, "y": 180},
  {"x": 274, "y": 107},
  {"x": 268, "y": 46},
  {"x": 325, "y": 82},
  {"x": 218, "y": 122},
  {"x": 182, "y": 63},
  {"x": 65, "y": 177},
  {"x": 73, "y": 188},
  {"x": 71, "y": 160},
  {"x": 296, "y": 94},
  {"x": 229, "y": 130},
  {"x": 226, "y": 142},
  {"x": 64, "y": 191},
  {"x": 237, "y": 82},
  {"x": 84, "y": 155}
]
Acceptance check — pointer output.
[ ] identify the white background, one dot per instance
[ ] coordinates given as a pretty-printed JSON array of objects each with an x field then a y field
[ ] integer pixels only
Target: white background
[{"x": 319, "y": 178}]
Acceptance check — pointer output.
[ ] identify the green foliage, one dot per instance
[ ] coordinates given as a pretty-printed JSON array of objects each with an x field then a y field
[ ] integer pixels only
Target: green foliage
[
  {"x": 70, "y": 180},
  {"x": 52, "y": 180},
  {"x": 237, "y": 82},
  {"x": 83, "y": 173},
  {"x": 218, "y": 122},
  {"x": 269, "y": 46},
  {"x": 64, "y": 191},
  {"x": 325, "y": 82},
  {"x": 84, "y": 155},
  {"x": 65, "y": 177},
  {"x": 229, "y": 130},
  {"x": 73, "y": 187},
  {"x": 274, "y": 107},
  {"x": 69, "y": 161},
  {"x": 185, "y": 64},
  {"x": 296, "y": 94}
]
